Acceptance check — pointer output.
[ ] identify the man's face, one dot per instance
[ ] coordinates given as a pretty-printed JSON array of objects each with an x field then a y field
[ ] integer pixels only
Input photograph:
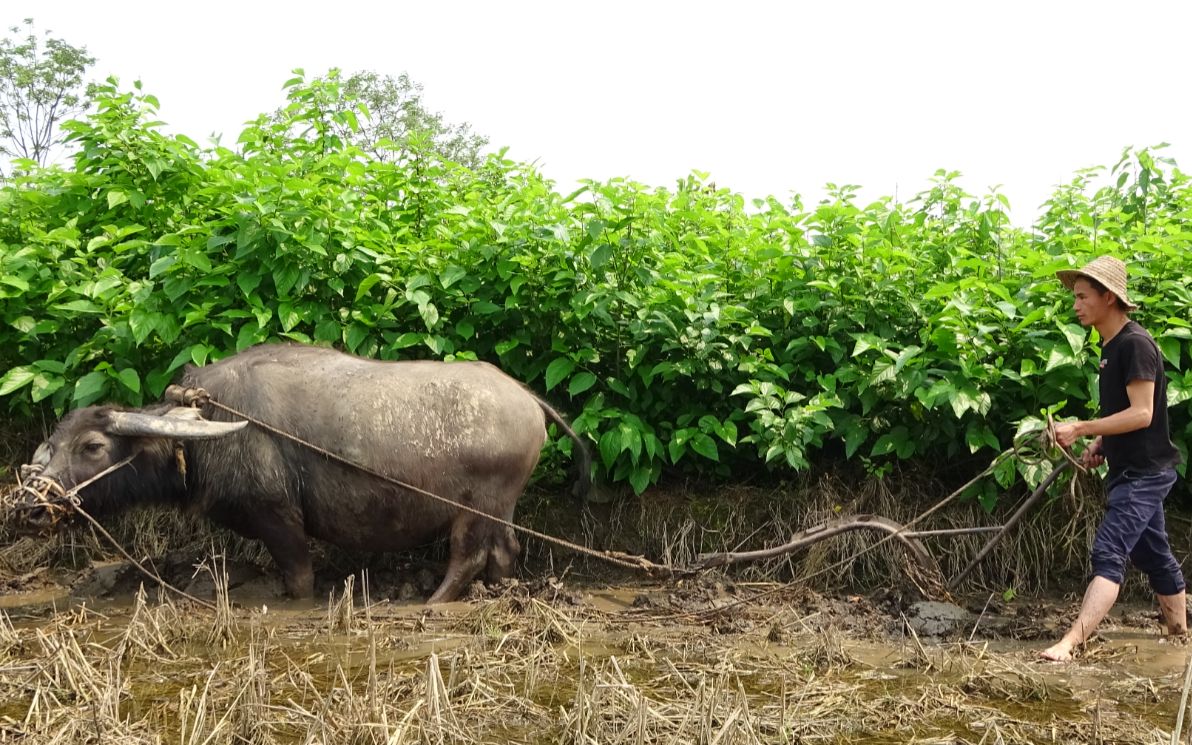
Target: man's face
[{"x": 1090, "y": 306}]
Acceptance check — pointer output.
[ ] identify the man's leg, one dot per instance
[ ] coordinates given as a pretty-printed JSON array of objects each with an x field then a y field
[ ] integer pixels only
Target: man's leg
[
  {"x": 1116, "y": 537},
  {"x": 1152, "y": 554},
  {"x": 1098, "y": 599},
  {"x": 1175, "y": 613}
]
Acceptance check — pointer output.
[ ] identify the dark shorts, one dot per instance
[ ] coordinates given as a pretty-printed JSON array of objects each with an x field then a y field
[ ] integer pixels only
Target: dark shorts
[{"x": 1133, "y": 527}]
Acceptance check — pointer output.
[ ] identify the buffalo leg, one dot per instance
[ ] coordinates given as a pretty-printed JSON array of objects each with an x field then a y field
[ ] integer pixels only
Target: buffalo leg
[
  {"x": 287, "y": 545},
  {"x": 502, "y": 555},
  {"x": 470, "y": 540}
]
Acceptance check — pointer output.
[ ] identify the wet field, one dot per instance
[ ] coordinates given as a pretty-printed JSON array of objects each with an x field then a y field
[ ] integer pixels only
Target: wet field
[{"x": 700, "y": 661}]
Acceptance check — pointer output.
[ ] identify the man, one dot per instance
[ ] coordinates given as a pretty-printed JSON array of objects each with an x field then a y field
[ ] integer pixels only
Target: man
[{"x": 1132, "y": 435}]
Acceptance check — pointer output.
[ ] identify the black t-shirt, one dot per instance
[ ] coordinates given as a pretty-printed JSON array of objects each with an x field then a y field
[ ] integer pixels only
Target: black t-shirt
[{"x": 1129, "y": 356}]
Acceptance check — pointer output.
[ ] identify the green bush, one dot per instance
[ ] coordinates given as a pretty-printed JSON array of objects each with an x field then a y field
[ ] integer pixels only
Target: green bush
[{"x": 684, "y": 330}]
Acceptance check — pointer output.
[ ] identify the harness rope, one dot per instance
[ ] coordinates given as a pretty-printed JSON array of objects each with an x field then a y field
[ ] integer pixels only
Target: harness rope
[
  {"x": 196, "y": 397},
  {"x": 192, "y": 397},
  {"x": 70, "y": 497}
]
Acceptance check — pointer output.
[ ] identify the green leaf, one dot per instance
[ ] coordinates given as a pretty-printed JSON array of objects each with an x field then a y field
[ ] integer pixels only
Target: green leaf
[
  {"x": 408, "y": 339},
  {"x": 963, "y": 400},
  {"x": 854, "y": 437},
  {"x": 600, "y": 256},
  {"x": 1058, "y": 357},
  {"x": 1005, "y": 472},
  {"x": 45, "y": 385},
  {"x": 367, "y": 284},
  {"x": 80, "y": 306},
  {"x": 141, "y": 323},
  {"x": 89, "y": 388},
  {"x": 15, "y": 282},
  {"x": 618, "y": 387},
  {"x": 639, "y": 479},
  {"x": 465, "y": 330},
  {"x": 288, "y": 315},
  {"x": 1170, "y": 347},
  {"x": 988, "y": 498},
  {"x": 705, "y": 446},
  {"x": 418, "y": 280},
  {"x": 1075, "y": 336},
  {"x": 580, "y": 383},
  {"x": 728, "y": 432},
  {"x": 25, "y": 324},
  {"x": 631, "y": 440},
  {"x": 977, "y": 435},
  {"x": 676, "y": 449},
  {"x": 610, "y": 447},
  {"x": 451, "y": 275},
  {"x": 216, "y": 241},
  {"x": 129, "y": 379},
  {"x": 116, "y": 197},
  {"x": 57, "y": 367},
  {"x": 247, "y": 282},
  {"x": 327, "y": 330},
  {"x": 284, "y": 279},
  {"x": 16, "y": 378},
  {"x": 430, "y": 315},
  {"x": 354, "y": 336},
  {"x": 557, "y": 370},
  {"x": 865, "y": 342},
  {"x": 198, "y": 354},
  {"x": 895, "y": 441},
  {"x": 157, "y": 381}
]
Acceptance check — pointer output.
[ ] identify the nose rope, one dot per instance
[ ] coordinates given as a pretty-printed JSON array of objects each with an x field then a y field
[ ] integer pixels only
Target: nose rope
[
  {"x": 47, "y": 493},
  {"x": 66, "y": 503}
]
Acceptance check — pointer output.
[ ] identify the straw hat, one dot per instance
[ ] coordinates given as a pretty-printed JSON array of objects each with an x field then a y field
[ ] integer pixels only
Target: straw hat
[{"x": 1107, "y": 270}]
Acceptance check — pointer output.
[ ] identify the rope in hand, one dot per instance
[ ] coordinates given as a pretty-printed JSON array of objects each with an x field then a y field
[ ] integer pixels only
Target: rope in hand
[{"x": 1053, "y": 443}]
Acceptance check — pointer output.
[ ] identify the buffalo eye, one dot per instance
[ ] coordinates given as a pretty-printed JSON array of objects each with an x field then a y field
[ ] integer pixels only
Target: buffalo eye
[{"x": 93, "y": 448}]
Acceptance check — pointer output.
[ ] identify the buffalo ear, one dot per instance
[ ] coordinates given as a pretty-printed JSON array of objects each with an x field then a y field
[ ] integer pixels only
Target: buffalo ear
[{"x": 179, "y": 423}]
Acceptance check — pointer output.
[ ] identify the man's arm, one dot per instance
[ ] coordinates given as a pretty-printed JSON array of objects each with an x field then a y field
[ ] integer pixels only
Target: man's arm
[{"x": 1138, "y": 416}]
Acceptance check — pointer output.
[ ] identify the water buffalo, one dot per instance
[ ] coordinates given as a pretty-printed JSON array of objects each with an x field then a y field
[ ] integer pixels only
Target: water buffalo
[{"x": 462, "y": 430}]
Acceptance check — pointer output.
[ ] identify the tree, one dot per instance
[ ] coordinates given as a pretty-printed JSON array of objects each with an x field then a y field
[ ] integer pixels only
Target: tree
[
  {"x": 398, "y": 121},
  {"x": 41, "y": 85}
]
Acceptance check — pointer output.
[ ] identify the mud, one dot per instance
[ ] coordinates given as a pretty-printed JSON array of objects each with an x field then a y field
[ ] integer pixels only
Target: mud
[
  {"x": 565, "y": 654},
  {"x": 550, "y": 659}
]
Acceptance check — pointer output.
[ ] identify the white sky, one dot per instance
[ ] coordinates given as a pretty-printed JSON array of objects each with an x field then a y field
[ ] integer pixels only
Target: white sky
[{"x": 770, "y": 97}]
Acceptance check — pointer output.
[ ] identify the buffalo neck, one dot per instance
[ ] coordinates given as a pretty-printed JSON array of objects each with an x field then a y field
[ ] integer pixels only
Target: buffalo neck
[{"x": 152, "y": 478}]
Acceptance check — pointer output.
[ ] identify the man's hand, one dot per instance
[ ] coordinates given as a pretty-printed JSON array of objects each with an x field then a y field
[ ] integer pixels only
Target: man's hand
[
  {"x": 1092, "y": 457},
  {"x": 1067, "y": 433}
]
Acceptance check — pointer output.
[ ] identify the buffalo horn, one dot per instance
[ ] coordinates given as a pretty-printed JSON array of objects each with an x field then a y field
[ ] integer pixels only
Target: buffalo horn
[{"x": 179, "y": 425}]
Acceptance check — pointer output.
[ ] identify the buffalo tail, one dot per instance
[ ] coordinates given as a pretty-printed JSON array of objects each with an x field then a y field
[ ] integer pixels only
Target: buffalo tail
[{"x": 581, "y": 458}]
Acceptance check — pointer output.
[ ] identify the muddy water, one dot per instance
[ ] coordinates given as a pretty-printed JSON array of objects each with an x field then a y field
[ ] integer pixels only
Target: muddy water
[{"x": 547, "y": 663}]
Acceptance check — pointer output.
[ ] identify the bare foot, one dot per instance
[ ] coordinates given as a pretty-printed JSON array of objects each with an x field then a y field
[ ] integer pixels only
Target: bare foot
[{"x": 1058, "y": 652}]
